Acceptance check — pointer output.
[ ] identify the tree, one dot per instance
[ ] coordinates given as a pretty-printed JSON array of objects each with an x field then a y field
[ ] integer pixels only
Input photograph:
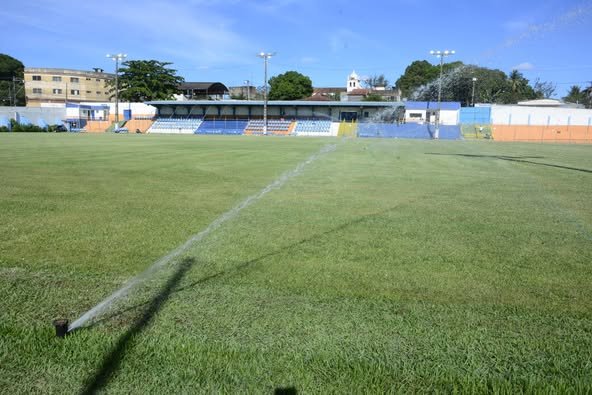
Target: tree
[
  {"x": 12, "y": 73},
  {"x": 588, "y": 96},
  {"x": 142, "y": 80},
  {"x": 290, "y": 86},
  {"x": 418, "y": 73},
  {"x": 491, "y": 86},
  {"x": 575, "y": 95},
  {"x": 544, "y": 90},
  {"x": 518, "y": 89},
  {"x": 376, "y": 81},
  {"x": 372, "y": 97},
  {"x": 578, "y": 95}
]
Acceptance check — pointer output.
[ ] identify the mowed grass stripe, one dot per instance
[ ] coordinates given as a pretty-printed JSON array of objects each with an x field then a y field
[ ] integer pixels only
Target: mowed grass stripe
[{"x": 383, "y": 268}]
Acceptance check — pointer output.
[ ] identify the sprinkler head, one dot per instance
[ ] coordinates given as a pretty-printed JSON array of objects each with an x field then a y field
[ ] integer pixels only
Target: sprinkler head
[{"x": 61, "y": 327}]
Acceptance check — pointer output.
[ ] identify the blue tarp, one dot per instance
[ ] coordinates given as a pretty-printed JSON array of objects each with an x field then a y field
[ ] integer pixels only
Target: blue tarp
[
  {"x": 408, "y": 131},
  {"x": 4, "y": 122},
  {"x": 432, "y": 105}
]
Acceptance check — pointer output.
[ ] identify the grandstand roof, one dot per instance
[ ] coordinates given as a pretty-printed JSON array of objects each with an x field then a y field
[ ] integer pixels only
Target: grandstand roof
[{"x": 282, "y": 103}]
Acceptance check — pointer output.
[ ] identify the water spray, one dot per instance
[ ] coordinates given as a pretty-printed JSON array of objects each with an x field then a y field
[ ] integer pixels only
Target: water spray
[{"x": 192, "y": 241}]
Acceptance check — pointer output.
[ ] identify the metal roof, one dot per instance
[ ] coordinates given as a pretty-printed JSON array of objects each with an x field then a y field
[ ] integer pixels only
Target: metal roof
[{"x": 275, "y": 103}]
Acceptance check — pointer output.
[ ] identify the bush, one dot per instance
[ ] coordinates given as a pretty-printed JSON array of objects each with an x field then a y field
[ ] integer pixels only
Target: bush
[{"x": 18, "y": 128}]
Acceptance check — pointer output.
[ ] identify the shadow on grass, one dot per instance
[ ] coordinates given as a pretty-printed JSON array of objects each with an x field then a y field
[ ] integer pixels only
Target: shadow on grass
[
  {"x": 112, "y": 360},
  {"x": 243, "y": 265},
  {"x": 521, "y": 159}
]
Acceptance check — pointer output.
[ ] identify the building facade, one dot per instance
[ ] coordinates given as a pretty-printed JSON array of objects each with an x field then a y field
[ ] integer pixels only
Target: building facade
[{"x": 45, "y": 85}]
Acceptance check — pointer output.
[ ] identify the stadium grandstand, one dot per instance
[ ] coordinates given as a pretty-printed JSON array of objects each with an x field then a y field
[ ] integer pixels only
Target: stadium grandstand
[{"x": 525, "y": 123}]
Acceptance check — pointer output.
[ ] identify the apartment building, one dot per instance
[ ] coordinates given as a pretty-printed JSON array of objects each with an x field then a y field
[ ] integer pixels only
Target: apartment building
[{"x": 45, "y": 85}]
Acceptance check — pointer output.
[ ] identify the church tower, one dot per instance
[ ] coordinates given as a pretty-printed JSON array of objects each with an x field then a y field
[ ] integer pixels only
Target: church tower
[{"x": 353, "y": 82}]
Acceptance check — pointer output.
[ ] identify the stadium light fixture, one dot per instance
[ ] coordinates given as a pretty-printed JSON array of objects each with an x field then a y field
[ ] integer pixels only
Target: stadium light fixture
[
  {"x": 441, "y": 55},
  {"x": 265, "y": 56},
  {"x": 117, "y": 58}
]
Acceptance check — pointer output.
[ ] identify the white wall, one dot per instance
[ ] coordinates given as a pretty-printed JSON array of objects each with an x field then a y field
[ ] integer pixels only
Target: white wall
[
  {"x": 447, "y": 117},
  {"x": 519, "y": 115},
  {"x": 137, "y": 108}
]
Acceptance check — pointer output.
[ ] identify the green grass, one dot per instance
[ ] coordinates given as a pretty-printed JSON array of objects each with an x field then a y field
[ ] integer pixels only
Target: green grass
[
  {"x": 473, "y": 131},
  {"x": 386, "y": 266}
]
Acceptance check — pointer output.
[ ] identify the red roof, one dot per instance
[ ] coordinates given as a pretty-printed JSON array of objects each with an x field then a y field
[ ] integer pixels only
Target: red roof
[{"x": 359, "y": 92}]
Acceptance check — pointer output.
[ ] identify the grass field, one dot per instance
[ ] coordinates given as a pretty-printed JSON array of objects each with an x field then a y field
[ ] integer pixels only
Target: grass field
[{"x": 385, "y": 266}]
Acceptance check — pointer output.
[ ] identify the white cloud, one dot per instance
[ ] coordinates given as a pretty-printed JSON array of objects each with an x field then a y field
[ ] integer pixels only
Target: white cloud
[
  {"x": 308, "y": 60},
  {"x": 195, "y": 32},
  {"x": 523, "y": 66}
]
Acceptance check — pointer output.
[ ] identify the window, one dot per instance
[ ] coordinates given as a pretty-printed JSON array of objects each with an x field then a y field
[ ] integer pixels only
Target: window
[
  {"x": 36, "y": 78},
  {"x": 88, "y": 78},
  {"x": 37, "y": 90},
  {"x": 98, "y": 80},
  {"x": 88, "y": 92},
  {"x": 74, "y": 79},
  {"x": 75, "y": 92},
  {"x": 57, "y": 91},
  {"x": 98, "y": 93},
  {"x": 56, "y": 79}
]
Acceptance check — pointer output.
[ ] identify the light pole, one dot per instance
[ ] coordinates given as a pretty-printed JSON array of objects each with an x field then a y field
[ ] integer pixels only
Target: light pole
[
  {"x": 441, "y": 55},
  {"x": 265, "y": 56},
  {"x": 248, "y": 83},
  {"x": 118, "y": 57},
  {"x": 473, "y": 94}
]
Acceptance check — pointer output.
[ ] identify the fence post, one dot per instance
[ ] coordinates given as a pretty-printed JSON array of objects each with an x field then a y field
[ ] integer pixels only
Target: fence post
[{"x": 568, "y": 128}]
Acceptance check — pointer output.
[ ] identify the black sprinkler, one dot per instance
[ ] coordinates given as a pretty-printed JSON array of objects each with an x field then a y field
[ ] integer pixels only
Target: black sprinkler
[{"x": 61, "y": 327}]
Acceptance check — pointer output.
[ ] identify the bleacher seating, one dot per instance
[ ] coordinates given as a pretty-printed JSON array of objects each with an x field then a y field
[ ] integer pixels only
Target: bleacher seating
[
  {"x": 313, "y": 128},
  {"x": 274, "y": 126},
  {"x": 222, "y": 126},
  {"x": 175, "y": 125}
]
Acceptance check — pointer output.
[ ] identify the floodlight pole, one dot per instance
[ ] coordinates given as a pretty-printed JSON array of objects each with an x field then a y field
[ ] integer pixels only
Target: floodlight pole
[
  {"x": 441, "y": 55},
  {"x": 247, "y": 83},
  {"x": 473, "y": 94},
  {"x": 117, "y": 58},
  {"x": 265, "y": 56}
]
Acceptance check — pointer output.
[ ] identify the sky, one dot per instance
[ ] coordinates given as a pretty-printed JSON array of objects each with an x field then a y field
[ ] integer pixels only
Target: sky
[{"x": 218, "y": 40}]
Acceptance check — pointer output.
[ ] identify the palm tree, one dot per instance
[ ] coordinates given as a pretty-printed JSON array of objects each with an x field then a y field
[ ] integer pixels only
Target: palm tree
[
  {"x": 517, "y": 81},
  {"x": 575, "y": 95}
]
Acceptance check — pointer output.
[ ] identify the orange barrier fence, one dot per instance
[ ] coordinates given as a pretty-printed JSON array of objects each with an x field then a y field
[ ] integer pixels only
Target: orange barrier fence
[
  {"x": 548, "y": 134},
  {"x": 96, "y": 126},
  {"x": 142, "y": 124}
]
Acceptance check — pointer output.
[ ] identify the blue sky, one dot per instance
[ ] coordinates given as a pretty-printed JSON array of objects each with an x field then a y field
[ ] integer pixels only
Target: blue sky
[{"x": 217, "y": 40}]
